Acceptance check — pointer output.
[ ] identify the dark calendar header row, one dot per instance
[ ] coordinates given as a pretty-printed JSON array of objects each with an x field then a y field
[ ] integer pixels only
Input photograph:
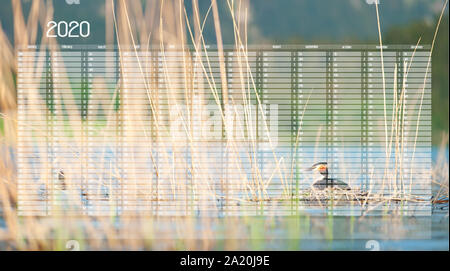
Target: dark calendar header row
[{"x": 231, "y": 47}]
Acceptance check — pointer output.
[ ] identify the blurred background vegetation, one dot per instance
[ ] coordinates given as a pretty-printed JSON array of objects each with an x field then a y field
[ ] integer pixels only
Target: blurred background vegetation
[{"x": 295, "y": 21}]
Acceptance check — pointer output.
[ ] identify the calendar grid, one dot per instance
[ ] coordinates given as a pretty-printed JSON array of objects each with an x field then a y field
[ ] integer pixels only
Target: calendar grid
[{"x": 104, "y": 131}]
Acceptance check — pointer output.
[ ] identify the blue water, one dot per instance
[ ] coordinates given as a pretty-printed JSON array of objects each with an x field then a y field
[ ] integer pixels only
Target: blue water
[{"x": 325, "y": 233}]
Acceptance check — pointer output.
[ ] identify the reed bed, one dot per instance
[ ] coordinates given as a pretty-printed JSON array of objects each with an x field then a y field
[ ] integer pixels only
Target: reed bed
[{"x": 169, "y": 24}]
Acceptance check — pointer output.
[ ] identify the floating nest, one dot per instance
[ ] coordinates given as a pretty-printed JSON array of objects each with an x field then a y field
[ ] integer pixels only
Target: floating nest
[
  {"x": 330, "y": 195},
  {"x": 333, "y": 195},
  {"x": 339, "y": 196}
]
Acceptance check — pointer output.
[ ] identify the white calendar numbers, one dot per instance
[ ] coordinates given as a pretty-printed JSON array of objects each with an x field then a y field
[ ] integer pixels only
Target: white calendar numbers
[
  {"x": 313, "y": 111},
  {"x": 73, "y": 29},
  {"x": 163, "y": 131},
  {"x": 34, "y": 153},
  {"x": 345, "y": 134}
]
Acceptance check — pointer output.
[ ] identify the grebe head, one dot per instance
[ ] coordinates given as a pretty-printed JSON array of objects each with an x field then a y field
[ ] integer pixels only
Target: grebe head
[{"x": 321, "y": 167}]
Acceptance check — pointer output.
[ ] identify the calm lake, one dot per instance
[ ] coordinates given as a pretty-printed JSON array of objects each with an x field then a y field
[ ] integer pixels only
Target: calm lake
[{"x": 302, "y": 232}]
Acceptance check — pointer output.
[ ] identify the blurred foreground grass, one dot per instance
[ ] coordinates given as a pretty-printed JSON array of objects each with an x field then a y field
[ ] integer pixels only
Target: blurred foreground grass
[{"x": 135, "y": 231}]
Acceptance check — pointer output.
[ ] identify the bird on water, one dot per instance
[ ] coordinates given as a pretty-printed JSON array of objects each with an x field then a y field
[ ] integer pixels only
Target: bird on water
[{"x": 324, "y": 181}]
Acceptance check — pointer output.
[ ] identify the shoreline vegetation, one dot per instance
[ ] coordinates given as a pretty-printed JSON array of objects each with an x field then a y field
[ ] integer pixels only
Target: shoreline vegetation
[{"x": 248, "y": 223}]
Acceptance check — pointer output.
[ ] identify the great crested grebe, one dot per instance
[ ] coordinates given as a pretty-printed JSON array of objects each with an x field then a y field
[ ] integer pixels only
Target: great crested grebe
[{"x": 324, "y": 181}]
